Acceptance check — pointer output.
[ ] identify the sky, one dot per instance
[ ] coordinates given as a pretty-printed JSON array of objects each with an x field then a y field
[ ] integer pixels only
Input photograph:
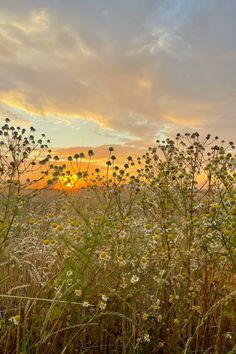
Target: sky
[{"x": 92, "y": 73}]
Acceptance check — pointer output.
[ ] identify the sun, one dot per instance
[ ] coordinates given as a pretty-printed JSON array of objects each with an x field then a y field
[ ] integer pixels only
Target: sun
[
  {"x": 68, "y": 182},
  {"x": 68, "y": 185}
]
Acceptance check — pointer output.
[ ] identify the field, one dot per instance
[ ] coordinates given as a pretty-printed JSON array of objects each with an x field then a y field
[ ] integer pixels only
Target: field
[{"x": 141, "y": 260}]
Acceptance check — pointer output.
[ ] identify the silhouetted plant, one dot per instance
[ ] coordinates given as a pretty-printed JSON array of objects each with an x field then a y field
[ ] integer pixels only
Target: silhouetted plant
[
  {"x": 22, "y": 156},
  {"x": 142, "y": 260}
]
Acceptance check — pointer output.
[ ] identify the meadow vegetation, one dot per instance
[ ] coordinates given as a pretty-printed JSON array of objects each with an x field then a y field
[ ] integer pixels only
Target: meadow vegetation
[{"x": 141, "y": 260}]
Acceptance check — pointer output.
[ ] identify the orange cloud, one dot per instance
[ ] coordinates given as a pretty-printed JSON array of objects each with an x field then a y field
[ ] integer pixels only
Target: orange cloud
[
  {"x": 16, "y": 99},
  {"x": 181, "y": 121},
  {"x": 19, "y": 100}
]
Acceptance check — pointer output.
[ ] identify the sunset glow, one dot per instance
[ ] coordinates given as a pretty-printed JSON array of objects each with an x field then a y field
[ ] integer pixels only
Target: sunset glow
[{"x": 68, "y": 182}]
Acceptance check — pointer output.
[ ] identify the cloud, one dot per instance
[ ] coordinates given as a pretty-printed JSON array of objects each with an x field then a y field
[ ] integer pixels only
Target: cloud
[
  {"x": 136, "y": 67},
  {"x": 185, "y": 122}
]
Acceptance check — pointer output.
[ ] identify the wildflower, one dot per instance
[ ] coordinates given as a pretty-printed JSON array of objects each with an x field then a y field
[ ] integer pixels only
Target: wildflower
[
  {"x": 156, "y": 306},
  {"x": 171, "y": 236},
  {"x": 156, "y": 238},
  {"x": 146, "y": 338},
  {"x": 117, "y": 227},
  {"x": 58, "y": 295},
  {"x": 159, "y": 318},
  {"x": 228, "y": 335},
  {"x": 85, "y": 304},
  {"x": 176, "y": 321},
  {"x": 122, "y": 235},
  {"x": 78, "y": 292},
  {"x": 171, "y": 298},
  {"x": 69, "y": 281},
  {"x": 15, "y": 319},
  {"x": 105, "y": 298},
  {"x": 148, "y": 226},
  {"x": 102, "y": 305},
  {"x": 121, "y": 261},
  {"x": 104, "y": 256},
  {"x": 134, "y": 279},
  {"x": 145, "y": 316},
  {"x": 46, "y": 242},
  {"x": 69, "y": 273},
  {"x": 143, "y": 262}
]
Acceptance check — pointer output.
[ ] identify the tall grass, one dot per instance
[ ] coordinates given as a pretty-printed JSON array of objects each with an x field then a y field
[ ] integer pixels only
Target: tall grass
[{"x": 141, "y": 261}]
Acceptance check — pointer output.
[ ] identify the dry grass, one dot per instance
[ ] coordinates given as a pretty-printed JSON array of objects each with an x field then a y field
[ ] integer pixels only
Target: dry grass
[{"x": 145, "y": 266}]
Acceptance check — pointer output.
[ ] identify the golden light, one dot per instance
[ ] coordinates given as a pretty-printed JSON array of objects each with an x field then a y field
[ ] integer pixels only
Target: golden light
[
  {"x": 68, "y": 182},
  {"x": 68, "y": 185}
]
